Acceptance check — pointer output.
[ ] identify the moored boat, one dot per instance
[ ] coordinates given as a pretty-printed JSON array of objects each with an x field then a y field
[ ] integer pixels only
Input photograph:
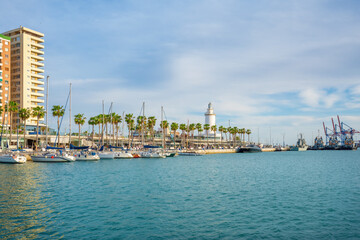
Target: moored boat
[
  {"x": 53, "y": 157},
  {"x": 123, "y": 155},
  {"x": 13, "y": 157},
  {"x": 86, "y": 156},
  {"x": 251, "y": 148},
  {"x": 300, "y": 145}
]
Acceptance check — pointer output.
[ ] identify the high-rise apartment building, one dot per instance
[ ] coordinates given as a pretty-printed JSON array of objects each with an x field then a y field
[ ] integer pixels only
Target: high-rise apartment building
[
  {"x": 5, "y": 80},
  {"x": 27, "y": 67}
]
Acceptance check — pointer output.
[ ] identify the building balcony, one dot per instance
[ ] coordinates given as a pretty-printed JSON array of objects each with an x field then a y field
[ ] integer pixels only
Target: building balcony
[
  {"x": 37, "y": 57},
  {"x": 37, "y": 88},
  {"x": 36, "y": 75},
  {"x": 37, "y": 39},
  {"x": 37, "y": 69},
  {"x": 37, "y": 94},
  {"x": 37, "y": 100},
  {"x": 37, "y": 45},
  {"x": 37, "y": 51},
  {"x": 40, "y": 64},
  {"x": 37, "y": 82}
]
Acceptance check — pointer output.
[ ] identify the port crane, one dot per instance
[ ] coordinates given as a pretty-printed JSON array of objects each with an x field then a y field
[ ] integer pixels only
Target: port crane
[{"x": 340, "y": 131}]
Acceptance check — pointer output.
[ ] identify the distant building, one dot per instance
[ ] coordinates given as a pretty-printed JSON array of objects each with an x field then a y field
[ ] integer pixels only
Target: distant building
[
  {"x": 27, "y": 67},
  {"x": 5, "y": 74},
  {"x": 210, "y": 116}
]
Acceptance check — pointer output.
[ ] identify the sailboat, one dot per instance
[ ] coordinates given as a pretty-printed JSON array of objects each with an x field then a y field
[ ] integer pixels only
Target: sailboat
[{"x": 12, "y": 157}]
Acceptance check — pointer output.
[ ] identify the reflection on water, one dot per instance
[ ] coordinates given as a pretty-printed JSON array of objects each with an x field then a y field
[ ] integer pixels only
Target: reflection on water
[{"x": 23, "y": 208}]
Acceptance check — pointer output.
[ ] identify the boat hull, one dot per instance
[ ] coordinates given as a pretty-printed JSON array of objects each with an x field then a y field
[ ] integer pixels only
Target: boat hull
[
  {"x": 12, "y": 159},
  {"x": 120, "y": 155}
]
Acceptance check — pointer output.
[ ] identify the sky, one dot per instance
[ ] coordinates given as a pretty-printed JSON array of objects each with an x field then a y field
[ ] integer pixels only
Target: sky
[{"x": 279, "y": 68}]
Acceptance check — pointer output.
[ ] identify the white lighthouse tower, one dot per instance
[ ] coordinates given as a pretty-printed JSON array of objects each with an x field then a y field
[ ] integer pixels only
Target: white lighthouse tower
[{"x": 210, "y": 116}]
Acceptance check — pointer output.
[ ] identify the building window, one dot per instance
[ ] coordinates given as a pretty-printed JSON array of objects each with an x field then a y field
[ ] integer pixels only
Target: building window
[
  {"x": 6, "y": 43},
  {"x": 6, "y": 49}
]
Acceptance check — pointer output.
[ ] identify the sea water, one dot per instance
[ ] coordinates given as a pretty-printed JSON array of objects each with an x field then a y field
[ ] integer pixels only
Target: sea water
[{"x": 279, "y": 195}]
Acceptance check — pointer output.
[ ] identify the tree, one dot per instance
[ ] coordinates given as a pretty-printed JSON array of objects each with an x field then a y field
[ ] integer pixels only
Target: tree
[
  {"x": 92, "y": 123},
  {"x": 174, "y": 126},
  {"x": 39, "y": 113},
  {"x": 117, "y": 119},
  {"x": 141, "y": 124},
  {"x": 207, "y": 128},
  {"x": 79, "y": 120},
  {"x": 248, "y": 132},
  {"x": 183, "y": 129},
  {"x": 24, "y": 114},
  {"x": 243, "y": 132},
  {"x": 164, "y": 125},
  {"x": 221, "y": 130},
  {"x": 12, "y": 108},
  {"x": 214, "y": 129},
  {"x": 198, "y": 128},
  {"x": 192, "y": 128},
  {"x": 225, "y": 130},
  {"x": 58, "y": 111},
  {"x": 150, "y": 125},
  {"x": 235, "y": 130},
  {"x": 129, "y": 119}
]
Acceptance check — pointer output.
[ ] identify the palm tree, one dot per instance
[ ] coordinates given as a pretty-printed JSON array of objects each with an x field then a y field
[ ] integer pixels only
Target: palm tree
[
  {"x": 92, "y": 123},
  {"x": 164, "y": 125},
  {"x": 234, "y": 131},
  {"x": 183, "y": 129},
  {"x": 12, "y": 108},
  {"x": 214, "y": 129},
  {"x": 117, "y": 119},
  {"x": 225, "y": 130},
  {"x": 58, "y": 111},
  {"x": 24, "y": 114},
  {"x": 198, "y": 127},
  {"x": 243, "y": 132},
  {"x": 39, "y": 113},
  {"x": 141, "y": 123},
  {"x": 151, "y": 124},
  {"x": 248, "y": 132},
  {"x": 192, "y": 128},
  {"x": 174, "y": 126},
  {"x": 221, "y": 130},
  {"x": 79, "y": 120},
  {"x": 207, "y": 128},
  {"x": 129, "y": 119}
]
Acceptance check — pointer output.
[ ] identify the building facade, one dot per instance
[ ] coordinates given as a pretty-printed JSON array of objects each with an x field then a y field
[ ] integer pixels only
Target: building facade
[
  {"x": 27, "y": 68},
  {"x": 5, "y": 77}
]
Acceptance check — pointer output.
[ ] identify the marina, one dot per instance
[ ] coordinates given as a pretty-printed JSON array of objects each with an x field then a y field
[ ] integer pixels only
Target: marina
[{"x": 278, "y": 194}]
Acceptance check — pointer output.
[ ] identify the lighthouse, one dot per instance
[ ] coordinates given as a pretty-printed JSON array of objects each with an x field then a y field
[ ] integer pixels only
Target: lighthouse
[{"x": 210, "y": 116}]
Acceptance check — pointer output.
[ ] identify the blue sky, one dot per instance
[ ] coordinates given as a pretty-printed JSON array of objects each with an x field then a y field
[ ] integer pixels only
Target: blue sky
[{"x": 280, "y": 65}]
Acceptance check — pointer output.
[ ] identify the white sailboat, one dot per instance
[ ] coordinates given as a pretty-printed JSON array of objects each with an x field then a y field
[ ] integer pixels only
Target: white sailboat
[
  {"x": 13, "y": 157},
  {"x": 53, "y": 157},
  {"x": 86, "y": 156}
]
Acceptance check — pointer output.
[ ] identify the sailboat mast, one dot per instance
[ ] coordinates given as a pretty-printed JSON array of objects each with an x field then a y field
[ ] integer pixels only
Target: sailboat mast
[
  {"x": 142, "y": 125},
  {"x": 163, "y": 131},
  {"x": 47, "y": 110},
  {"x": 103, "y": 120},
  {"x": 70, "y": 117}
]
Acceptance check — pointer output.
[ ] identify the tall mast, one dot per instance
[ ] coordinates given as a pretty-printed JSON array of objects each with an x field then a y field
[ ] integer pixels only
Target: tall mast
[
  {"x": 111, "y": 125},
  {"x": 103, "y": 120},
  {"x": 163, "y": 131},
  {"x": 142, "y": 125},
  {"x": 47, "y": 109},
  {"x": 70, "y": 117}
]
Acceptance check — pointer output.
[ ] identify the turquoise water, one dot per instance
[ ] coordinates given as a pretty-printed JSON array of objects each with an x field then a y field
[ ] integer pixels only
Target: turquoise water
[{"x": 281, "y": 195}]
